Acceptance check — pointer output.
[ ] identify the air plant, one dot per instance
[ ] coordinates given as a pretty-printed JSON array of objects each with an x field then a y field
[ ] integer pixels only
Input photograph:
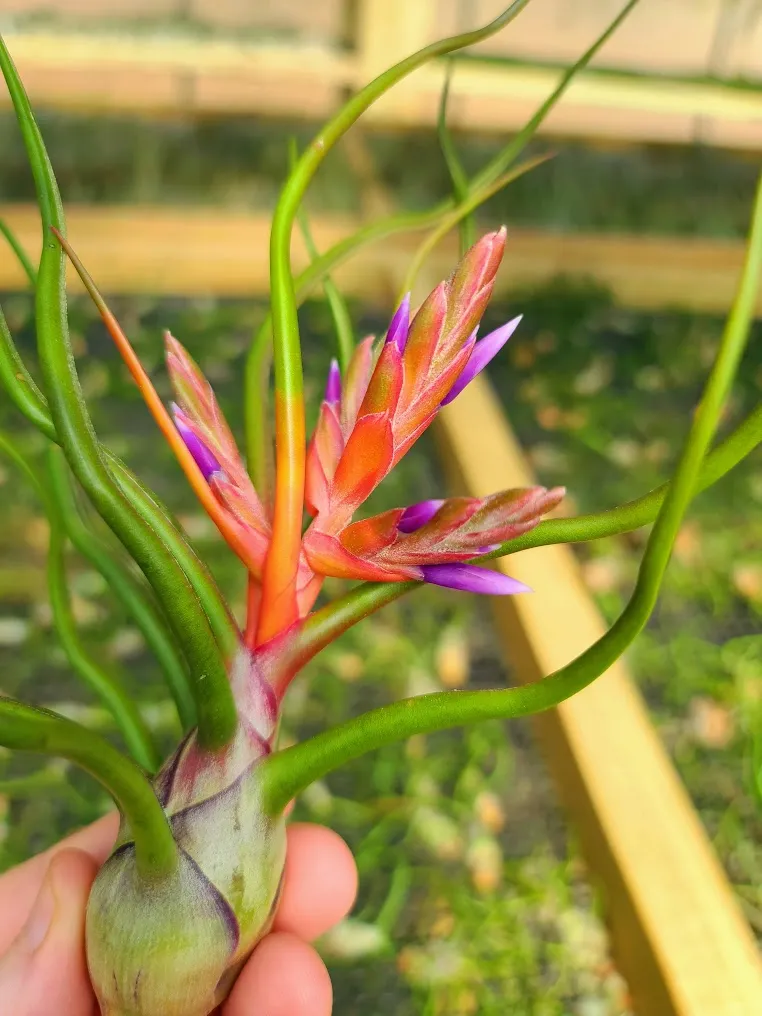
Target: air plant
[{"x": 195, "y": 875}]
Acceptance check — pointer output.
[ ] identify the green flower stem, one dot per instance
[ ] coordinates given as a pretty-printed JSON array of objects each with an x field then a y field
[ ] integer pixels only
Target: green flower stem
[
  {"x": 26, "y": 728},
  {"x": 342, "y": 321},
  {"x": 288, "y": 772},
  {"x": 216, "y": 708},
  {"x": 458, "y": 177},
  {"x": 287, "y": 514},
  {"x": 105, "y": 685},
  {"x": 126, "y": 587},
  {"x": 21, "y": 254}
]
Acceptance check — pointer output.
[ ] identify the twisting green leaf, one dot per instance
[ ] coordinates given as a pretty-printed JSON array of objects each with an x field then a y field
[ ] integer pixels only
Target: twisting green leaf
[
  {"x": 27, "y": 397},
  {"x": 106, "y": 685},
  {"x": 133, "y": 594},
  {"x": 21, "y": 386},
  {"x": 342, "y": 320},
  {"x": 25, "y": 728},
  {"x": 21, "y": 254},
  {"x": 216, "y": 709},
  {"x": 642, "y": 510},
  {"x": 288, "y": 772},
  {"x": 516, "y": 146},
  {"x": 458, "y": 177},
  {"x": 460, "y": 212}
]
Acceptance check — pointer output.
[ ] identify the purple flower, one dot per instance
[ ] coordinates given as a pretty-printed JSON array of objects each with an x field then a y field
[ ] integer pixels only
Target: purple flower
[
  {"x": 473, "y": 579},
  {"x": 333, "y": 385},
  {"x": 482, "y": 353},
  {"x": 400, "y": 325},
  {"x": 203, "y": 458},
  {"x": 417, "y": 515}
]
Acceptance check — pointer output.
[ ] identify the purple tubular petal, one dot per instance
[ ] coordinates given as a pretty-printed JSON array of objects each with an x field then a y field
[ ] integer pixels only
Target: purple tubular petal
[
  {"x": 203, "y": 458},
  {"x": 417, "y": 515},
  {"x": 472, "y": 579},
  {"x": 333, "y": 385},
  {"x": 484, "y": 351},
  {"x": 400, "y": 325}
]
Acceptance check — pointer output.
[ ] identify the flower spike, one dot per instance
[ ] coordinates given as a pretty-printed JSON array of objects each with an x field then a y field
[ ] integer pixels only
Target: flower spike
[
  {"x": 406, "y": 543},
  {"x": 422, "y": 365}
]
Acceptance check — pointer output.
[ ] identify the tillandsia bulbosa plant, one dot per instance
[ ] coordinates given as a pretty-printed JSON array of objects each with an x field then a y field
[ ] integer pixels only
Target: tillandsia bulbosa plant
[{"x": 195, "y": 874}]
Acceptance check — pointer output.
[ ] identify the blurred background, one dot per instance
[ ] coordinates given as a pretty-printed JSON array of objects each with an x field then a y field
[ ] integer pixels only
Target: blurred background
[{"x": 167, "y": 122}]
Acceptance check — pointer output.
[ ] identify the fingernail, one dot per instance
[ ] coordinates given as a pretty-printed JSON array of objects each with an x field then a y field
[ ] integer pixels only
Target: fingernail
[{"x": 33, "y": 933}]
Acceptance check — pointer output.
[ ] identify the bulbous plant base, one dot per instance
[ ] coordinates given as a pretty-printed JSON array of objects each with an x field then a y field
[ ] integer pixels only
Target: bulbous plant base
[{"x": 173, "y": 945}]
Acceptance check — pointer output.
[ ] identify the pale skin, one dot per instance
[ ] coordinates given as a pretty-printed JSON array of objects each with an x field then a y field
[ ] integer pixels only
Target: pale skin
[{"x": 42, "y": 913}]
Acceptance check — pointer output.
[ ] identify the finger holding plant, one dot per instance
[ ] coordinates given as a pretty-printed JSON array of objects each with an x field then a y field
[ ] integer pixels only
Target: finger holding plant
[{"x": 196, "y": 875}]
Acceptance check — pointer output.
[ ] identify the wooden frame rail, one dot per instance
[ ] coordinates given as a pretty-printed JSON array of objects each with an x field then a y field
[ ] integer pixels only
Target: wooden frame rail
[
  {"x": 197, "y": 251},
  {"x": 105, "y": 67}
]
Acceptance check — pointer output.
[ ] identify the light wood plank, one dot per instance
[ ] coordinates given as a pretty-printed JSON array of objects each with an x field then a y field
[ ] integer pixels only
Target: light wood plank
[
  {"x": 678, "y": 935},
  {"x": 161, "y": 75},
  {"x": 196, "y": 251}
]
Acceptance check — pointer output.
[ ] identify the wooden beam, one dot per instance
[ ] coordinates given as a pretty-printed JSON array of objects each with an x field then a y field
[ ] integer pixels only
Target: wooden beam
[
  {"x": 678, "y": 935},
  {"x": 192, "y": 251},
  {"x": 171, "y": 75},
  {"x": 164, "y": 75}
]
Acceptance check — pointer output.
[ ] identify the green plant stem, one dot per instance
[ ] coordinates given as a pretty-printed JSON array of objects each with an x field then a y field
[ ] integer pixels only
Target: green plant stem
[
  {"x": 458, "y": 177},
  {"x": 217, "y": 718},
  {"x": 21, "y": 254},
  {"x": 286, "y": 773},
  {"x": 460, "y": 213},
  {"x": 129, "y": 591},
  {"x": 513, "y": 149},
  {"x": 342, "y": 321},
  {"x": 104, "y": 684},
  {"x": 26, "y": 728}
]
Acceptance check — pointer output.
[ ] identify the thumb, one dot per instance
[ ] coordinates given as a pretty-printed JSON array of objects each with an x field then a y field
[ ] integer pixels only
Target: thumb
[{"x": 44, "y": 970}]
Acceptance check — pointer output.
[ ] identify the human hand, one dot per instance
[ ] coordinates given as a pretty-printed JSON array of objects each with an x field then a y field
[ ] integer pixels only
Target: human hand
[{"x": 42, "y": 920}]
